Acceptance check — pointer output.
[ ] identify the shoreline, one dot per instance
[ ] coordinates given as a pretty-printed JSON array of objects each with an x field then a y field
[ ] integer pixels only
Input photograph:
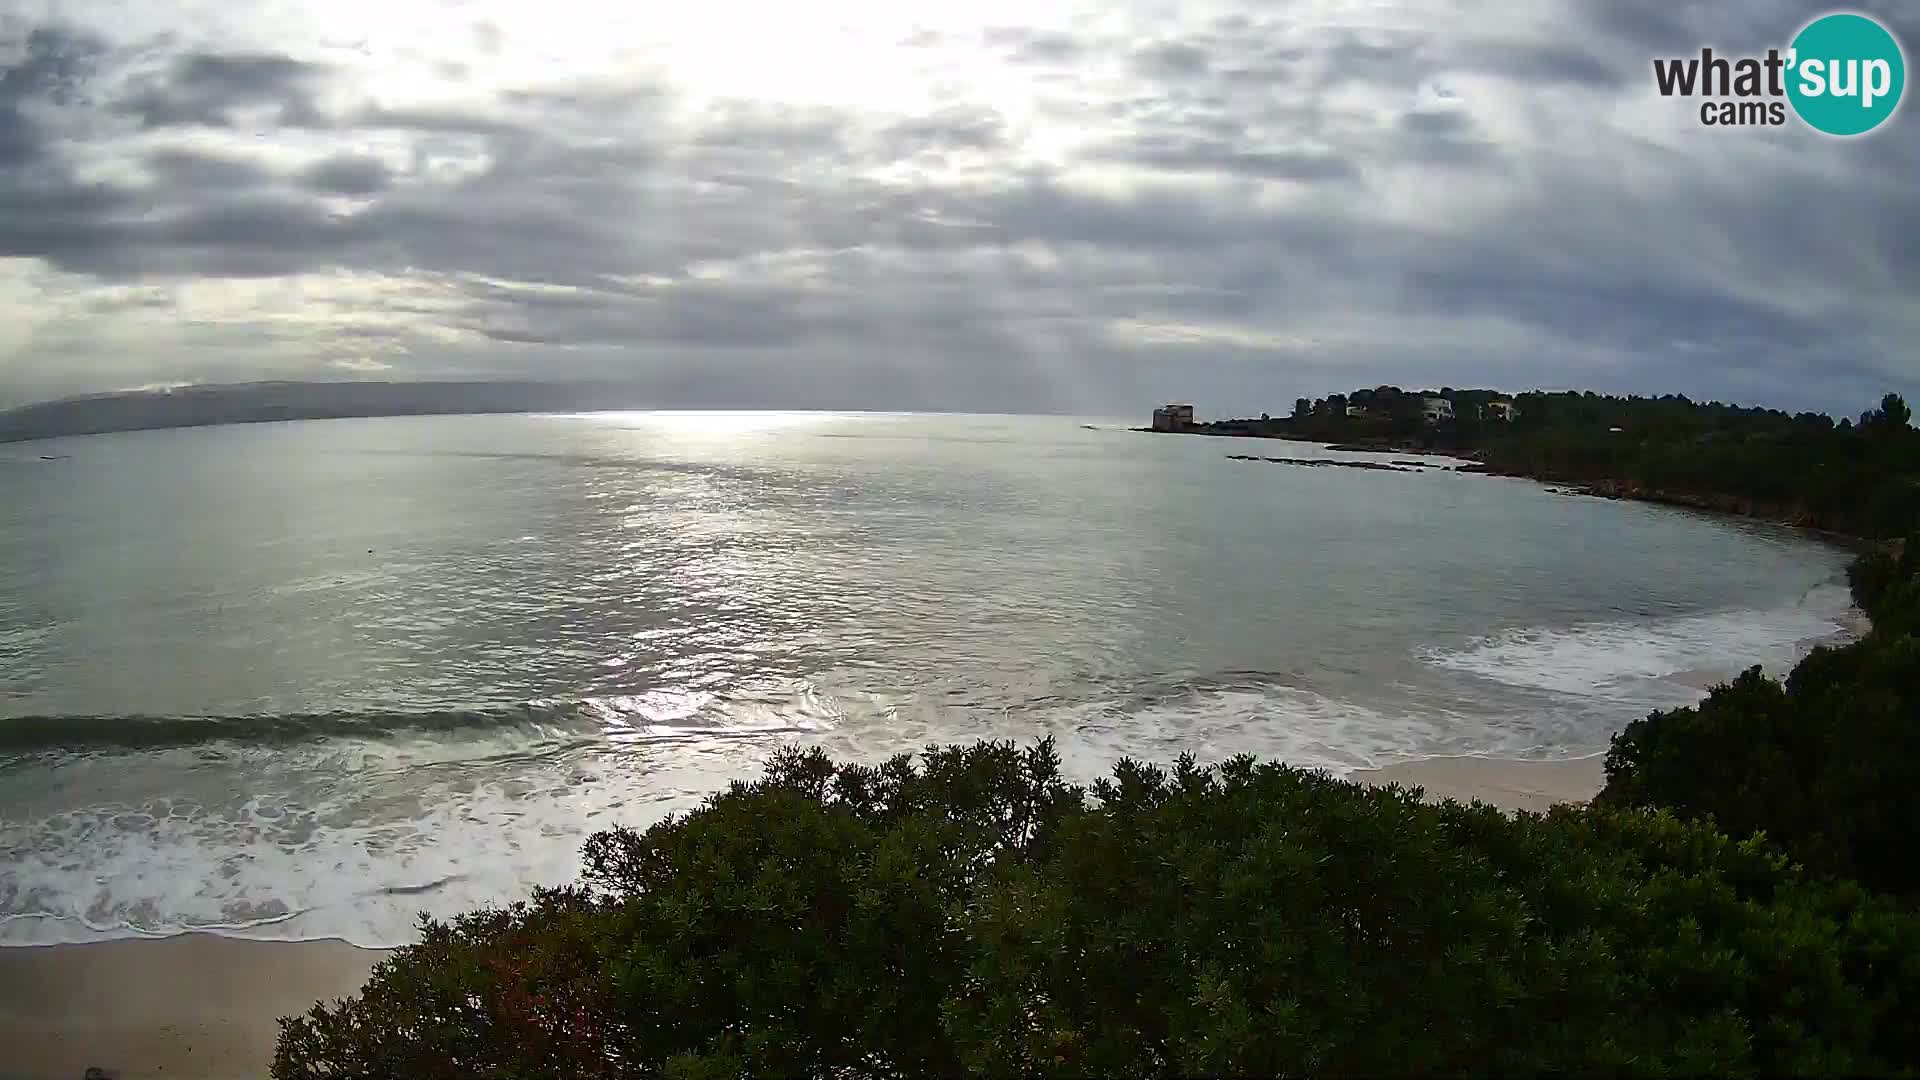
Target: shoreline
[
  {"x": 1533, "y": 785},
  {"x": 195, "y": 1006},
  {"x": 1609, "y": 489}
]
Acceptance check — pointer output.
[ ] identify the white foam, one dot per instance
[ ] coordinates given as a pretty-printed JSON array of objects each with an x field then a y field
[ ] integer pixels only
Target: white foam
[
  {"x": 1274, "y": 722},
  {"x": 389, "y": 843},
  {"x": 1641, "y": 659},
  {"x": 354, "y": 838},
  {"x": 396, "y": 828}
]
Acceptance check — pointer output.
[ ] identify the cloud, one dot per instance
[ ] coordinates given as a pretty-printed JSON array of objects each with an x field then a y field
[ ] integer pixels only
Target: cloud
[
  {"x": 360, "y": 364},
  {"x": 206, "y": 88},
  {"x": 1225, "y": 156},
  {"x": 1172, "y": 60},
  {"x": 1030, "y": 46},
  {"x": 1235, "y": 204},
  {"x": 348, "y": 174}
]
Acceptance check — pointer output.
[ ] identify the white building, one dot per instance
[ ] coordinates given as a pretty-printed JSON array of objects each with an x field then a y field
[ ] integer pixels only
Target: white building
[
  {"x": 1356, "y": 410},
  {"x": 1173, "y": 418},
  {"x": 1435, "y": 409},
  {"x": 1504, "y": 411}
]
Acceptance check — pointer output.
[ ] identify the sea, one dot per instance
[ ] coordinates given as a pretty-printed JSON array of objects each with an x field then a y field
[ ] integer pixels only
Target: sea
[{"x": 313, "y": 680}]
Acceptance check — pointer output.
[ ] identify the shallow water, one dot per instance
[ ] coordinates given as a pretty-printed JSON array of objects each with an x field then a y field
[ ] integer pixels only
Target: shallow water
[{"x": 303, "y": 680}]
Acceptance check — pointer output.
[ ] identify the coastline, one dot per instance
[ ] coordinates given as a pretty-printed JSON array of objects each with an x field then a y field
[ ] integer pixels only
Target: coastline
[
  {"x": 196, "y": 1006},
  {"x": 1615, "y": 490},
  {"x": 1510, "y": 784}
]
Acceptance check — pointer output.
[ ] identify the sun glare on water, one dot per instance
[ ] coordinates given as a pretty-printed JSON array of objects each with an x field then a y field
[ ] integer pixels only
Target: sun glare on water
[{"x": 711, "y": 423}]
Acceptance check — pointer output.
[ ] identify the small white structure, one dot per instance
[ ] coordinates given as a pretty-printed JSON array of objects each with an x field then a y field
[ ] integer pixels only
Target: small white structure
[
  {"x": 1356, "y": 410},
  {"x": 1503, "y": 411},
  {"x": 1173, "y": 418},
  {"x": 1435, "y": 409}
]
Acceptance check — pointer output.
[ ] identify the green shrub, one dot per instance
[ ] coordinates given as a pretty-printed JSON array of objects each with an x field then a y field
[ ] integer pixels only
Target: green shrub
[
  {"x": 1886, "y": 585},
  {"x": 1821, "y": 765},
  {"x": 976, "y": 914}
]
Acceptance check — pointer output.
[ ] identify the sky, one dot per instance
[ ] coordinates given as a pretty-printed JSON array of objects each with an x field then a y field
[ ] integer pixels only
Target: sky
[{"x": 976, "y": 205}]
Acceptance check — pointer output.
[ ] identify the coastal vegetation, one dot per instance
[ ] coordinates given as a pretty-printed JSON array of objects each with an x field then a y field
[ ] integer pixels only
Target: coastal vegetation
[
  {"x": 973, "y": 913},
  {"x": 1818, "y": 764},
  {"x": 1739, "y": 899},
  {"x": 1857, "y": 477}
]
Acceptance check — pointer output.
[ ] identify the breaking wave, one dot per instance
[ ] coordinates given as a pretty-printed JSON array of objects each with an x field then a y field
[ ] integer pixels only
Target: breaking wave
[{"x": 1660, "y": 659}]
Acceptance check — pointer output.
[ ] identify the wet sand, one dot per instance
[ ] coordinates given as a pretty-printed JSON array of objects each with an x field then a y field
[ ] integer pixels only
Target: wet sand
[{"x": 195, "y": 1006}]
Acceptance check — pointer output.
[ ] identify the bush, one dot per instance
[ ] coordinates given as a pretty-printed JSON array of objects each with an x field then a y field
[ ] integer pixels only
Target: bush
[
  {"x": 1886, "y": 585},
  {"x": 1821, "y": 764},
  {"x": 976, "y": 914}
]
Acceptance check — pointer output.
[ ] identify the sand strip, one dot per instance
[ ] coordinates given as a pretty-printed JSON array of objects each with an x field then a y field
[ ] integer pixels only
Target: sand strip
[
  {"x": 195, "y": 1006},
  {"x": 1508, "y": 784}
]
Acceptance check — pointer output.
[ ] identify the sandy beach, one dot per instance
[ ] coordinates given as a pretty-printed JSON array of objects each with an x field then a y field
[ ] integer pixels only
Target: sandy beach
[
  {"x": 201, "y": 1006},
  {"x": 1512, "y": 785},
  {"x": 195, "y": 1006}
]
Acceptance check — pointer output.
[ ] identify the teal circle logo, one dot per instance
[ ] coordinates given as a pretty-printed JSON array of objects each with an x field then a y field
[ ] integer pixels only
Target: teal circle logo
[{"x": 1845, "y": 74}]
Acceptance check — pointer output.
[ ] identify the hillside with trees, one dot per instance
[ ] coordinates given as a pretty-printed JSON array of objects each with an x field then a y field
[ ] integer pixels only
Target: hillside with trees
[{"x": 1856, "y": 477}]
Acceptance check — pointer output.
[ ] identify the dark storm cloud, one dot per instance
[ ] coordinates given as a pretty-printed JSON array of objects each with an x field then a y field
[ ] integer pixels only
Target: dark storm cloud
[
  {"x": 45, "y": 210},
  {"x": 190, "y": 170},
  {"x": 55, "y": 65},
  {"x": 203, "y": 89},
  {"x": 53, "y": 69}
]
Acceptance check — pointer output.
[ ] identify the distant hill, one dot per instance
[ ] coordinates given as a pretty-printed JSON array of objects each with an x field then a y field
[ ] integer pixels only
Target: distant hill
[{"x": 247, "y": 403}]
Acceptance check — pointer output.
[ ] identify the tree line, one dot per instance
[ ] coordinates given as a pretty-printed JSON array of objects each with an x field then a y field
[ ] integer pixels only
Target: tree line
[{"x": 1860, "y": 477}]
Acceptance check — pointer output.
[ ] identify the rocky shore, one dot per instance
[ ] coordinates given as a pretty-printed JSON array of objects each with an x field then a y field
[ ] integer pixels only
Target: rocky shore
[
  {"x": 1710, "y": 502},
  {"x": 1375, "y": 466}
]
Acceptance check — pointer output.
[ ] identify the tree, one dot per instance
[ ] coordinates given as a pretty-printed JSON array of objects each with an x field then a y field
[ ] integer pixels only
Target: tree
[
  {"x": 1302, "y": 408},
  {"x": 1894, "y": 412},
  {"x": 1821, "y": 764},
  {"x": 976, "y": 914}
]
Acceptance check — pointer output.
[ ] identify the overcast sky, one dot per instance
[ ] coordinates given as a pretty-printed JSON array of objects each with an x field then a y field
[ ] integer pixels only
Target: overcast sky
[{"x": 969, "y": 205}]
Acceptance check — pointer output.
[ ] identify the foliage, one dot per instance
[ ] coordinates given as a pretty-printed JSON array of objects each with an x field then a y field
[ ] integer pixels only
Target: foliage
[
  {"x": 1821, "y": 763},
  {"x": 1863, "y": 480},
  {"x": 1886, "y": 585},
  {"x": 976, "y": 914}
]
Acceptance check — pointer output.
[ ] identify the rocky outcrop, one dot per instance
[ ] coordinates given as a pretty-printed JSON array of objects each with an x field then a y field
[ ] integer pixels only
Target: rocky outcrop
[{"x": 1374, "y": 466}]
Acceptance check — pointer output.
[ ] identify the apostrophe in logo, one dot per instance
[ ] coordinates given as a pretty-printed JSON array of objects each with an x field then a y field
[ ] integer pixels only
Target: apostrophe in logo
[
  {"x": 1843, "y": 74},
  {"x": 1847, "y": 74}
]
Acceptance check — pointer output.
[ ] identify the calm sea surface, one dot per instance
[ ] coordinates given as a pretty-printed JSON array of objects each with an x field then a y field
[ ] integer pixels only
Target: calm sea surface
[{"x": 303, "y": 680}]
